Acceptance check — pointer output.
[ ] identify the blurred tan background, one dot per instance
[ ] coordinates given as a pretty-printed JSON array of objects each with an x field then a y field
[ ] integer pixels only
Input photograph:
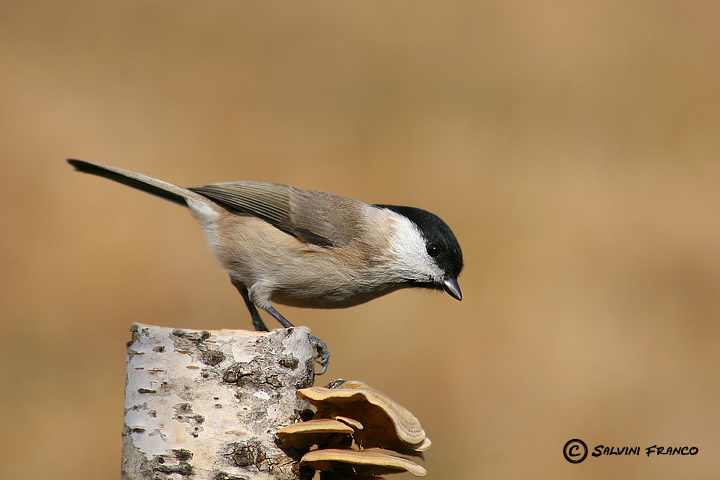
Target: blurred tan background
[{"x": 574, "y": 148}]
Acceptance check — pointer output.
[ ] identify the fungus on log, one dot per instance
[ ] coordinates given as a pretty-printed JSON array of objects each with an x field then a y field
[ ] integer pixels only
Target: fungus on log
[
  {"x": 359, "y": 463},
  {"x": 384, "y": 423},
  {"x": 313, "y": 432},
  {"x": 356, "y": 433}
]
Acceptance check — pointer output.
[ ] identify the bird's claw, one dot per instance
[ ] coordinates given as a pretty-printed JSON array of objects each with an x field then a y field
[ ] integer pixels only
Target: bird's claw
[{"x": 323, "y": 354}]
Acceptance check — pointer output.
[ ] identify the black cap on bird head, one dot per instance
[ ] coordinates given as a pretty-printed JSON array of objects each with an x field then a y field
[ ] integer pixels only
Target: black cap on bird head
[{"x": 441, "y": 245}]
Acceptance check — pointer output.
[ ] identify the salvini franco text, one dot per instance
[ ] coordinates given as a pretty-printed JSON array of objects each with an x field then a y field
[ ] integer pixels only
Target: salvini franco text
[{"x": 603, "y": 450}]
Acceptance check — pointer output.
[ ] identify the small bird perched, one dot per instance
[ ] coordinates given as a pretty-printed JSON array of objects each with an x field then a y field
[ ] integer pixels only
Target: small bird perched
[{"x": 310, "y": 249}]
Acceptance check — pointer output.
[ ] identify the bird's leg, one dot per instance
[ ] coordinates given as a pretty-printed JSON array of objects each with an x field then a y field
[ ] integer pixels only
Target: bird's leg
[
  {"x": 323, "y": 354},
  {"x": 256, "y": 320}
]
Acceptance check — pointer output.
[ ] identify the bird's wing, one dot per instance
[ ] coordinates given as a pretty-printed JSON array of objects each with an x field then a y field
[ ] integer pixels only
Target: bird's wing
[{"x": 314, "y": 217}]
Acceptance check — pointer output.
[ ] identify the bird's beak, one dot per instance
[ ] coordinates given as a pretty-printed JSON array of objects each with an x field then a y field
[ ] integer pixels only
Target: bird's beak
[{"x": 451, "y": 286}]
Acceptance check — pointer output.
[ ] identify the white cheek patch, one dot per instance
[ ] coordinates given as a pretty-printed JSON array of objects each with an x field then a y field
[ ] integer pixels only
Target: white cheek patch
[{"x": 409, "y": 251}]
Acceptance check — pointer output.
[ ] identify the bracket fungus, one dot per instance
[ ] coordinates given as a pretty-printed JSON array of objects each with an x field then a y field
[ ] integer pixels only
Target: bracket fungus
[
  {"x": 360, "y": 463},
  {"x": 351, "y": 418},
  {"x": 385, "y": 423},
  {"x": 317, "y": 431}
]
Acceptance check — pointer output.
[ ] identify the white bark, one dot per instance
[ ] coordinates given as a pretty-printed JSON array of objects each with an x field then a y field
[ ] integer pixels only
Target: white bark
[{"x": 206, "y": 405}]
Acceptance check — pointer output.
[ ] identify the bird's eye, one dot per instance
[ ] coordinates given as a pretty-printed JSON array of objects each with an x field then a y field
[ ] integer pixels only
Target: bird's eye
[{"x": 433, "y": 249}]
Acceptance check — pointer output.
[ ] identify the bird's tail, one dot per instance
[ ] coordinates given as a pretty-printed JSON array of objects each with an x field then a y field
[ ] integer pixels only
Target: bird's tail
[{"x": 165, "y": 190}]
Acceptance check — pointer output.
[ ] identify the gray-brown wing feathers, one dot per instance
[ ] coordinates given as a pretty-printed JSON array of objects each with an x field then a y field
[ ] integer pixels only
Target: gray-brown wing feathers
[
  {"x": 265, "y": 200},
  {"x": 314, "y": 217}
]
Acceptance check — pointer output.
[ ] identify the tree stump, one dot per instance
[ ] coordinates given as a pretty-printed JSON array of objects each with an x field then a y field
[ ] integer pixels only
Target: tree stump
[{"x": 207, "y": 404}]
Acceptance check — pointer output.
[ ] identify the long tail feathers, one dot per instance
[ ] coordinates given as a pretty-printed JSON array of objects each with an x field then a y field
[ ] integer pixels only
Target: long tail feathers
[{"x": 147, "y": 184}]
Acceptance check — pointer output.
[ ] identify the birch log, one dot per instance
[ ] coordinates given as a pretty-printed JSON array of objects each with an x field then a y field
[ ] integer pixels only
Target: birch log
[{"x": 207, "y": 404}]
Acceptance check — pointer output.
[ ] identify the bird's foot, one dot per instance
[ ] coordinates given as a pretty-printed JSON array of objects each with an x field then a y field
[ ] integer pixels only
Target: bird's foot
[{"x": 323, "y": 354}]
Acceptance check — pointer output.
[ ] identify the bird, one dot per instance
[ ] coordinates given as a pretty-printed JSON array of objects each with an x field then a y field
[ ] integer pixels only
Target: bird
[{"x": 302, "y": 248}]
